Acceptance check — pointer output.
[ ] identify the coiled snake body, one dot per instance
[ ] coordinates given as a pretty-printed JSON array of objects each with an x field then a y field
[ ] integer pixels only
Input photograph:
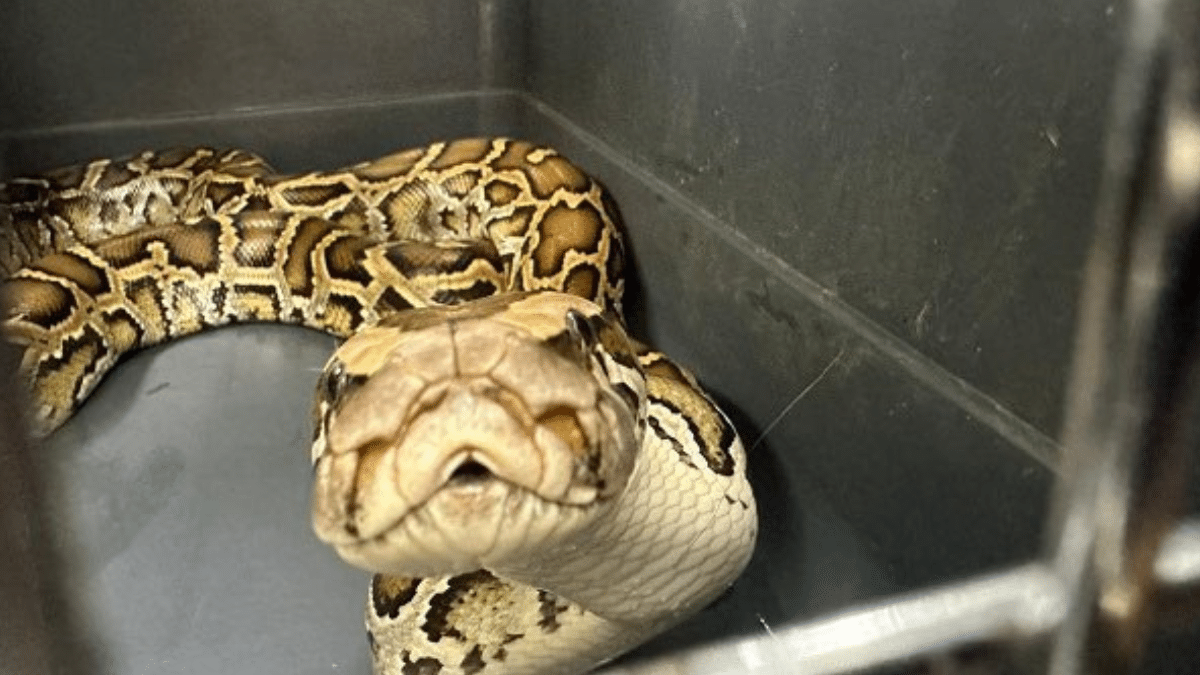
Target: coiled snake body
[{"x": 535, "y": 491}]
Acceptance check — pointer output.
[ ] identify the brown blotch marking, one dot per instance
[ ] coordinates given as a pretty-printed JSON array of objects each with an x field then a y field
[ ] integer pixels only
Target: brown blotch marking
[
  {"x": 353, "y": 215},
  {"x": 123, "y": 330},
  {"x": 389, "y": 166},
  {"x": 713, "y": 433},
  {"x": 476, "y": 588},
  {"x": 514, "y": 156},
  {"x": 253, "y": 302},
  {"x": 125, "y": 250},
  {"x": 515, "y": 225},
  {"x": 482, "y": 288},
  {"x": 473, "y": 662},
  {"x": 417, "y": 258},
  {"x": 500, "y": 193},
  {"x": 467, "y": 150},
  {"x": 219, "y": 193},
  {"x": 257, "y": 203},
  {"x": 74, "y": 210},
  {"x": 196, "y": 246},
  {"x": 341, "y": 315},
  {"x": 554, "y": 173},
  {"x": 426, "y": 665},
  {"x": 314, "y": 194},
  {"x": 63, "y": 376},
  {"x": 220, "y": 294},
  {"x": 461, "y": 183},
  {"x": 298, "y": 268},
  {"x": 243, "y": 164},
  {"x": 549, "y": 609},
  {"x": 116, "y": 173},
  {"x": 615, "y": 262},
  {"x": 408, "y": 210},
  {"x": 343, "y": 259},
  {"x": 583, "y": 280},
  {"x": 391, "y": 301},
  {"x": 565, "y": 229},
  {"x": 659, "y": 366},
  {"x": 172, "y": 157},
  {"x": 67, "y": 177},
  {"x": 257, "y": 236},
  {"x": 390, "y": 593},
  {"x": 145, "y": 294},
  {"x": 45, "y": 303},
  {"x": 110, "y": 211}
]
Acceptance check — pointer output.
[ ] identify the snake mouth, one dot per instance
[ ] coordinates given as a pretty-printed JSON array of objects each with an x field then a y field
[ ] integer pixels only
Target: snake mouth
[
  {"x": 374, "y": 490},
  {"x": 469, "y": 473},
  {"x": 473, "y": 518}
]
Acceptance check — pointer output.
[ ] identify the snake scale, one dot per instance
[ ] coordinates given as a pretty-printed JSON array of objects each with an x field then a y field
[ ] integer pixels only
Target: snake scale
[{"x": 534, "y": 490}]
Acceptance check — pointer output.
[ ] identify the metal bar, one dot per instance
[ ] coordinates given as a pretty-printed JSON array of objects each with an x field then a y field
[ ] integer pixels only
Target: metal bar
[
  {"x": 1004, "y": 609},
  {"x": 1135, "y": 375},
  {"x": 1014, "y": 605},
  {"x": 1021, "y": 603}
]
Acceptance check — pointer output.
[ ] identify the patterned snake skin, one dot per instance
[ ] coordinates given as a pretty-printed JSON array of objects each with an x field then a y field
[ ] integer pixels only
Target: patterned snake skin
[{"x": 536, "y": 491}]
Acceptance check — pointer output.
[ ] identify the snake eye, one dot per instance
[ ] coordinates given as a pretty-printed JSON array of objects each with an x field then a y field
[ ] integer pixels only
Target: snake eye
[
  {"x": 330, "y": 386},
  {"x": 336, "y": 384},
  {"x": 576, "y": 341},
  {"x": 581, "y": 326}
]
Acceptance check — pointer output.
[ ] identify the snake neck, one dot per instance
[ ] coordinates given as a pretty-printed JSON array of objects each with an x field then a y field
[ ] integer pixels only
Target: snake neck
[{"x": 662, "y": 549}]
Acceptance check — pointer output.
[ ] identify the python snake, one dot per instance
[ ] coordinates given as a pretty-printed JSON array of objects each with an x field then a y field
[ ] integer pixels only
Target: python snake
[{"x": 535, "y": 491}]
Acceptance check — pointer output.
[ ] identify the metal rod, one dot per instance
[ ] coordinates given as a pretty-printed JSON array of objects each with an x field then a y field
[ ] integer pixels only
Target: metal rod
[
  {"x": 1004, "y": 609},
  {"x": 1017, "y": 604},
  {"x": 1135, "y": 375}
]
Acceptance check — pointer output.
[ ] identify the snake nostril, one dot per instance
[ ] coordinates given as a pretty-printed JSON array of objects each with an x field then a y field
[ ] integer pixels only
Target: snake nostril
[{"x": 470, "y": 472}]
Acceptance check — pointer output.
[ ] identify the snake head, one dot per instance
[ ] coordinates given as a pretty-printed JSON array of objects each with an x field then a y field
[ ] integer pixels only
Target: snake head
[{"x": 450, "y": 439}]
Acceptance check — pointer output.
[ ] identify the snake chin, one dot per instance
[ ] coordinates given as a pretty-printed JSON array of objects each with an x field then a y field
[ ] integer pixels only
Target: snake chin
[{"x": 472, "y": 522}]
